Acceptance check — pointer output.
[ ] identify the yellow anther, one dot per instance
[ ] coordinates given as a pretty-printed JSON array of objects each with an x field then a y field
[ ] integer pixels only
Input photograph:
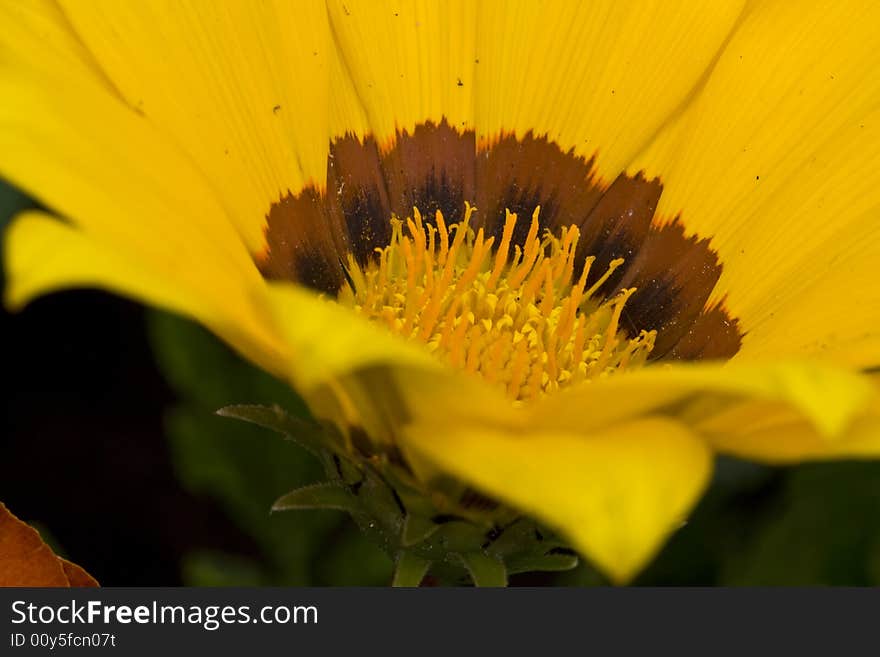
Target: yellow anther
[
  {"x": 503, "y": 249},
  {"x": 614, "y": 265}
]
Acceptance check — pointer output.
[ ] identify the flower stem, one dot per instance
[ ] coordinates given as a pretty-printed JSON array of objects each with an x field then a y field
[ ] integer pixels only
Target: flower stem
[{"x": 409, "y": 570}]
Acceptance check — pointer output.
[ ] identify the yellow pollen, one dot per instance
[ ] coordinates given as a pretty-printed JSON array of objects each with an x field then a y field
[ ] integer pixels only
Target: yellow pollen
[{"x": 518, "y": 318}]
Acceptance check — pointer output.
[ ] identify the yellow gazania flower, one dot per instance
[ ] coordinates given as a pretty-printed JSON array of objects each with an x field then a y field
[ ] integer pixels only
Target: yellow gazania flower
[{"x": 204, "y": 155}]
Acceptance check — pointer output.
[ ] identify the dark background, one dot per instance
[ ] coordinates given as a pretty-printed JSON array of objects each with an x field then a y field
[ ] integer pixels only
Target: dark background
[{"x": 111, "y": 448}]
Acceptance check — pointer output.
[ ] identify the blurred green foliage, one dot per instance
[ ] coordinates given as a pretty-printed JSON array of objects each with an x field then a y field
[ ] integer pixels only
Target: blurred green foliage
[{"x": 823, "y": 528}]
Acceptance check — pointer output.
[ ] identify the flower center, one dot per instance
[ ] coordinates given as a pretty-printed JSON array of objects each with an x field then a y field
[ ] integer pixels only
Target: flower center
[
  {"x": 518, "y": 317},
  {"x": 310, "y": 234}
]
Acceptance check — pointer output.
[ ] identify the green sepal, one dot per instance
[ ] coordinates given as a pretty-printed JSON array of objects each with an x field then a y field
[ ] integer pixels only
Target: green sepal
[
  {"x": 309, "y": 435},
  {"x": 459, "y": 536},
  {"x": 526, "y": 548},
  {"x": 378, "y": 500},
  {"x": 485, "y": 570},
  {"x": 327, "y": 495},
  {"x": 550, "y": 562},
  {"x": 409, "y": 569},
  {"x": 416, "y": 529}
]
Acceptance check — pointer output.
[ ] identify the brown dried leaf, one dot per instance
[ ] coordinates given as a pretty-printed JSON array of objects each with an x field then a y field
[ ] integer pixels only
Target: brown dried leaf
[
  {"x": 77, "y": 575},
  {"x": 25, "y": 560}
]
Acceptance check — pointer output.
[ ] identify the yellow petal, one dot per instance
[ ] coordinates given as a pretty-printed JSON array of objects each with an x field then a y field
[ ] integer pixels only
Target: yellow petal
[
  {"x": 82, "y": 152},
  {"x": 615, "y": 494},
  {"x": 827, "y": 398},
  {"x": 329, "y": 341},
  {"x": 69, "y": 140},
  {"x": 43, "y": 255},
  {"x": 79, "y": 150},
  {"x": 768, "y": 432},
  {"x": 340, "y": 363},
  {"x": 600, "y": 77},
  {"x": 240, "y": 86},
  {"x": 406, "y": 60},
  {"x": 37, "y": 36},
  {"x": 357, "y": 374},
  {"x": 778, "y": 161}
]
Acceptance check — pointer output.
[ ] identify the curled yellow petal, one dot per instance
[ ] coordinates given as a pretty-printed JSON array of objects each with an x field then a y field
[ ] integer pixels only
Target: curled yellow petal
[
  {"x": 769, "y": 432},
  {"x": 826, "y": 397},
  {"x": 42, "y": 255},
  {"x": 616, "y": 494},
  {"x": 328, "y": 341}
]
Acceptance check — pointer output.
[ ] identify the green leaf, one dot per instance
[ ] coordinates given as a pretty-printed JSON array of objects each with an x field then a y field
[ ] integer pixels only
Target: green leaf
[
  {"x": 485, "y": 570},
  {"x": 409, "y": 569},
  {"x": 327, "y": 495}
]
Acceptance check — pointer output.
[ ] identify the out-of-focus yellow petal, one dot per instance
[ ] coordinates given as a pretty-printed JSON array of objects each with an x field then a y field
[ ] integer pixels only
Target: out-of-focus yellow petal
[
  {"x": 240, "y": 86},
  {"x": 829, "y": 406},
  {"x": 356, "y": 373},
  {"x": 344, "y": 365},
  {"x": 770, "y": 432},
  {"x": 43, "y": 255},
  {"x": 778, "y": 162},
  {"x": 615, "y": 494},
  {"x": 37, "y": 36},
  {"x": 329, "y": 341},
  {"x": 827, "y": 398}
]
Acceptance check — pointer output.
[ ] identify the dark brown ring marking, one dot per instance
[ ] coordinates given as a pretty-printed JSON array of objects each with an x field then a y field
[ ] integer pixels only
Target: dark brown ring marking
[{"x": 439, "y": 168}]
